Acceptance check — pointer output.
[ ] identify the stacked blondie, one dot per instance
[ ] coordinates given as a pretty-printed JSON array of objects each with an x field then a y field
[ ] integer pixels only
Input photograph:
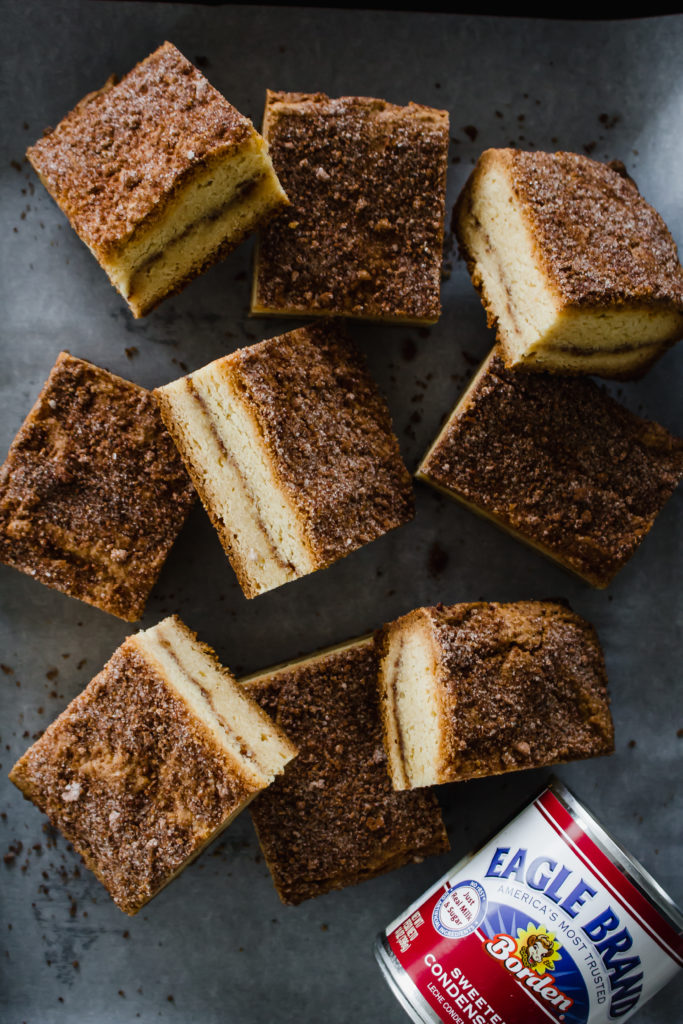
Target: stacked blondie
[{"x": 290, "y": 446}]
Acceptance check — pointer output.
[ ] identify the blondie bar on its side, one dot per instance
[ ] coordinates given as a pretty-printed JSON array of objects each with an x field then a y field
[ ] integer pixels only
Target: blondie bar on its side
[
  {"x": 332, "y": 819},
  {"x": 578, "y": 273},
  {"x": 93, "y": 492},
  {"x": 159, "y": 175},
  {"x": 364, "y": 234},
  {"x": 156, "y": 757},
  {"x": 291, "y": 448},
  {"x": 479, "y": 689}
]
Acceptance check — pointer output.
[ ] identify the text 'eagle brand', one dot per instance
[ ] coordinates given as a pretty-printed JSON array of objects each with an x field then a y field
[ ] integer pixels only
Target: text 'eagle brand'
[{"x": 577, "y": 931}]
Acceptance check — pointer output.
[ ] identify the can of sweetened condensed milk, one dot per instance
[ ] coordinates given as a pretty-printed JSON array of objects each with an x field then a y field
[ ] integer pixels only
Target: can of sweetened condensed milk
[{"x": 550, "y": 921}]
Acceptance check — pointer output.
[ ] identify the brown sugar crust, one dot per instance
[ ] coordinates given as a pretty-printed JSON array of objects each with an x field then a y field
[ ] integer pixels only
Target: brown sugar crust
[
  {"x": 332, "y": 819},
  {"x": 93, "y": 492},
  {"x": 132, "y": 779},
  {"x": 118, "y": 158},
  {"x": 364, "y": 234},
  {"x": 560, "y": 462},
  {"x": 524, "y": 686},
  {"x": 600, "y": 242},
  {"x": 330, "y": 436}
]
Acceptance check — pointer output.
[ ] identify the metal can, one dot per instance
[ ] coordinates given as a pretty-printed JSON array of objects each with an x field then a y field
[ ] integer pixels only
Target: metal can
[{"x": 550, "y": 921}]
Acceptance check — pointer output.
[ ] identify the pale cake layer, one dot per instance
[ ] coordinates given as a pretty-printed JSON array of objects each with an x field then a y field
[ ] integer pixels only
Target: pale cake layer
[
  {"x": 410, "y": 712},
  {"x": 221, "y": 487},
  {"x": 480, "y": 689},
  {"x": 213, "y": 695},
  {"x": 291, "y": 447},
  {"x": 332, "y": 819},
  {"x": 152, "y": 761},
  {"x": 207, "y": 188},
  {"x": 542, "y": 321},
  {"x": 213, "y": 212},
  {"x": 236, "y": 422},
  {"x": 230, "y": 467},
  {"x": 503, "y": 261},
  {"x": 619, "y": 365},
  {"x": 557, "y": 463}
]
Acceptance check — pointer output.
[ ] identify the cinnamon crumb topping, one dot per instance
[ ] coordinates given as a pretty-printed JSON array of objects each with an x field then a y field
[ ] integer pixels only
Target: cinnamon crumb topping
[
  {"x": 119, "y": 155},
  {"x": 93, "y": 492},
  {"x": 332, "y": 819},
  {"x": 364, "y": 234},
  {"x": 600, "y": 240},
  {"x": 131, "y": 778},
  {"x": 558, "y": 460},
  {"x": 330, "y": 435},
  {"x": 525, "y": 683}
]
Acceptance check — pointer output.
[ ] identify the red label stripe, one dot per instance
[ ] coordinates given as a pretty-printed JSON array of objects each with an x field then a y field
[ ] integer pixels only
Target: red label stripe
[{"x": 623, "y": 890}]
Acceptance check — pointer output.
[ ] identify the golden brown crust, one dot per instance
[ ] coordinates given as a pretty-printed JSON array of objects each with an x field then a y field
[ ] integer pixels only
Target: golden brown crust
[
  {"x": 332, "y": 819},
  {"x": 524, "y": 685},
  {"x": 93, "y": 492},
  {"x": 118, "y": 158},
  {"x": 602, "y": 244},
  {"x": 559, "y": 462},
  {"x": 518, "y": 685},
  {"x": 132, "y": 779},
  {"x": 329, "y": 436},
  {"x": 364, "y": 234}
]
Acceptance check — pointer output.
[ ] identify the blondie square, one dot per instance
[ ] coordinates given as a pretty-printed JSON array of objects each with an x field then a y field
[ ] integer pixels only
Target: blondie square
[
  {"x": 159, "y": 175},
  {"x": 558, "y": 463},
  {"x": 157, "y": 755},
  {"x": 291, "y": 449},
  {"x": 578, "y": 273},
  {"x": 479, "y": 689},
  {"x": 364, "y": 234},
  {"x": 93, "y": 492}
]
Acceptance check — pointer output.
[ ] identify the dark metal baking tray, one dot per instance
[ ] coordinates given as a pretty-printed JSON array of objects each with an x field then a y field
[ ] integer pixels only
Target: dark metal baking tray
[{"x": 217, "y": 945}]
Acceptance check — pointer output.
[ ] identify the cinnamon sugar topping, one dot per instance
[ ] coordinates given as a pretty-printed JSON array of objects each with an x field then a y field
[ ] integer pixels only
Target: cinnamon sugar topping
[
  {"x": 601, "y": 242},
  {"x": 132, "y": 778},
  {"x": 526, "y": 685},
  {"x": 330, "y": 436},
  {"x": 560, "y": 462},
  {"x": 93, "y": 492},
  {"x": 332, "y": 819},
  {"x": 114, "y": 161},
  {"x": 364, "y": 234}
]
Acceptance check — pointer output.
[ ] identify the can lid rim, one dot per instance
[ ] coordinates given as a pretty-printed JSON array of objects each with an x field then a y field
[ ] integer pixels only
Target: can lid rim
[{"x": 631, "y": 867}]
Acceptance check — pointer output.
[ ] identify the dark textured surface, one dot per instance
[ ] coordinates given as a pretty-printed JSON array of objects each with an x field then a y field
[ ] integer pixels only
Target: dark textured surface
[
  {"x": 93, "y": 492},
  {"x": 332, "y": 819},
  {"x": 218, "y": 941},
  {"x": 560, "y": 461},
  {"x": 330, "y": 436},
  {"x": 363, "y": 236}
]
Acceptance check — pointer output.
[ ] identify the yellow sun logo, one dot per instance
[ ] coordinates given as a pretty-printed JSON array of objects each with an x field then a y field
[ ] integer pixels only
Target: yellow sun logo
[{"x": 537, "y": 948}]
